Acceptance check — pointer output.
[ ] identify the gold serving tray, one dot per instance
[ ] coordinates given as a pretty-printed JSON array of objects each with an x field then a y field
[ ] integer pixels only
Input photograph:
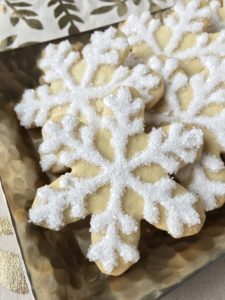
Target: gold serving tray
[{"x": 55, "y": 261}]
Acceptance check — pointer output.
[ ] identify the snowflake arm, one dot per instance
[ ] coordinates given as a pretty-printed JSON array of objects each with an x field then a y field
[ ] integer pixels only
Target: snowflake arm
[
  {"x": 203, "y": 179},
  {"x": 110, "y": 249},
  {"x": 57, "y": 61},
  {"x": 33, "y": 110},
  {"x": 186, "y": 18}
]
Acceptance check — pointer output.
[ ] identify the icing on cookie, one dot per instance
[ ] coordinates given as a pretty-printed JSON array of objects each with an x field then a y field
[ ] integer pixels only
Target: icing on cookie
[
  {"x": 180, "y": 35},
  {"x": 139, "y": 77},
  {"x": 130, "y": 165},
  {"x": 202, "y": 180},
  {"x": 57, "y": 64},
  {"x": 217, "y": 18},
  {"x": 202, "y": 105},
  {"x": 212, "y": 92},
  {"x": 71, "y": 88}
]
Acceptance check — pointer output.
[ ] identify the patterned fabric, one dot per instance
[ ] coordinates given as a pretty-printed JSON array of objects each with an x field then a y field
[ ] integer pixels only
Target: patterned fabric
[
  {"x": 27, "y": 22},
  {"x": 14, "y": 283}
]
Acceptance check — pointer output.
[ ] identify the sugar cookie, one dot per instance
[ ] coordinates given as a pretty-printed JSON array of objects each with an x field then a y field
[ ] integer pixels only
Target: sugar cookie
[
  {"x": 181, "y": 35},
  {"x": 120, "y": 176},
  {"x": 74, "y": 84},
  {"x": 197, "y": 100}
]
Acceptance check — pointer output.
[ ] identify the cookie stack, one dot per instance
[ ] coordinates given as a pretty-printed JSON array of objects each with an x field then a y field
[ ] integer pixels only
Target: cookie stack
[{"x": 93, "y": 107}]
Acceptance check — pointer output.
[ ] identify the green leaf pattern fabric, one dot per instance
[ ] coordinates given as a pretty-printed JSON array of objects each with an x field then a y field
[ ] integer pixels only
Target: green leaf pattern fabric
[{"x": 26, "y": 22}]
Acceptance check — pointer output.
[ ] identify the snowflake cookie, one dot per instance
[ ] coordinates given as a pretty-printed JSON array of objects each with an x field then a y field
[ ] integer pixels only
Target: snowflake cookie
[
  {"x": 180, "y": 35},
  {"x": 120, "y": 175},
  {"x": 197, "y": 100},
  {"x": 73, "y": 83}
]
